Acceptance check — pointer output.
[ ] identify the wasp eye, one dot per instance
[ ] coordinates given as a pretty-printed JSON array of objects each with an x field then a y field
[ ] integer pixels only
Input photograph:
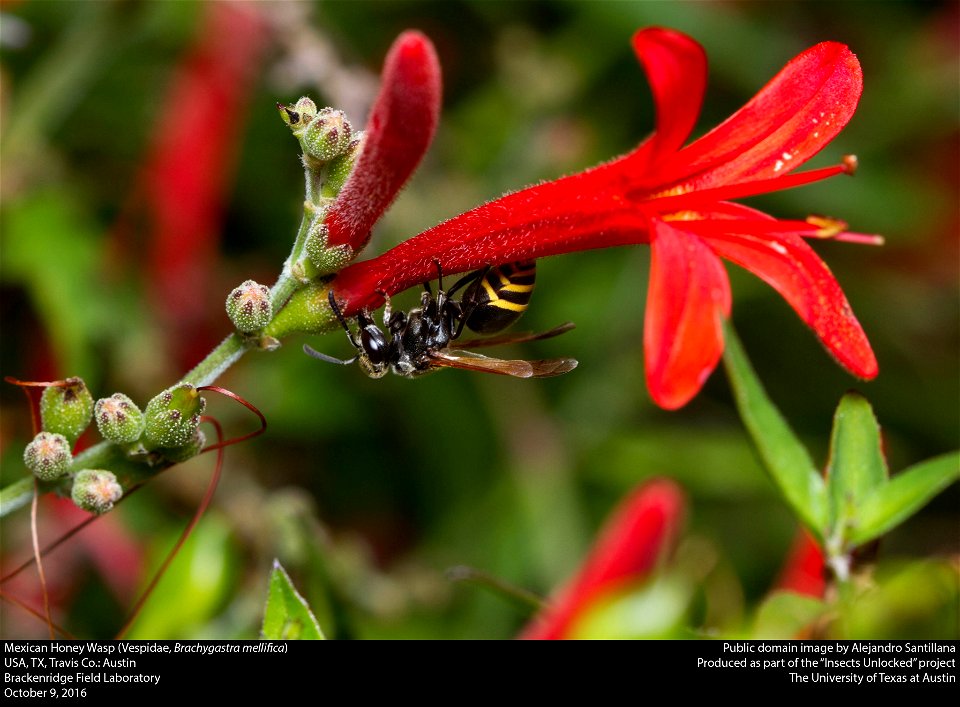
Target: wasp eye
[{"x": 374, "y": 344}]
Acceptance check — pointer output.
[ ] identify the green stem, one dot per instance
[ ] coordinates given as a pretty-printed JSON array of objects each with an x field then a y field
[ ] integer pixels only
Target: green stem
[
  {"x": 228, "y": 352},
  {"x": 16, "y": 495},
  {"x": 217, "y": 361}
]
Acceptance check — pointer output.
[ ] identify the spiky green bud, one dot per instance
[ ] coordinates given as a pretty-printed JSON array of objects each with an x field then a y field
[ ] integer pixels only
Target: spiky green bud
[
  {"x": 48, "y": 456},
  {"x": 298, "y": 115},
  {"x": 187, "y": 451},
  {"x": 96, "y": 490},
  {"x": 249, "y": 307},
  {"x": 325, "y": 259},
  {"x": 327, "y": 136},
  {"x": 118, "y": 419},
  {"x": 173, "y": 416},
  {"x": 67, "y": 409}
]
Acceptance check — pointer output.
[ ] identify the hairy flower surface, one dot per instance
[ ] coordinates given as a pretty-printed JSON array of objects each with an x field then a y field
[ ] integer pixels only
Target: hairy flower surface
[{"x": 678, "y": 200}]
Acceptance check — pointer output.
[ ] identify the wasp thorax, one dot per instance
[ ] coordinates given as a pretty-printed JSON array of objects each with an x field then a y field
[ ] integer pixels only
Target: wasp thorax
[
  {"x": 48, "y": 456},
  {"x": 173, "y": 416},
  {"x": 67, "y": 409},
  {"x": 96, "y": 490},
  {"x": 249, "y": 307},
  {"x": 118, "y": 419}
]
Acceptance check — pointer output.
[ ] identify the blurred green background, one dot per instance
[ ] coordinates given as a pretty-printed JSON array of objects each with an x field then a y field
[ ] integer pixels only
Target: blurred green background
[{"x": 368, "y": 490}]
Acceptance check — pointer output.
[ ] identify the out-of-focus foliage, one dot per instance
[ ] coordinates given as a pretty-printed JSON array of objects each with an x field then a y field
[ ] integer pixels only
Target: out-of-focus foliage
[
  {"x": 368, "y": 490},
  {"x": 286, "y": 615}
]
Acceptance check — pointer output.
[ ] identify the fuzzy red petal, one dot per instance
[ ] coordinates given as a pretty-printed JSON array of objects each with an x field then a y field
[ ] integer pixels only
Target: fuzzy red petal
[
  {"x": 401, "y": 126},
  {"x": 642, "y": 529},
  {"x": 676, "y": 67},
  {"x": 688, "y": 297},
  {"x": 791, "y": 119},
  {"x": 567, "y": 215}
]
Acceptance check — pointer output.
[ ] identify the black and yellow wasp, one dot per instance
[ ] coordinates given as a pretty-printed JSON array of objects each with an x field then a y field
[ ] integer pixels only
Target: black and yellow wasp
[{"x": 417, "y": 342}]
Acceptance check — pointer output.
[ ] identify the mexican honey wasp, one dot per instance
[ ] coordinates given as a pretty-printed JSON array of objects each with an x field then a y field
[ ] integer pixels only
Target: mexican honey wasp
[{"x": 416, "y": 342}]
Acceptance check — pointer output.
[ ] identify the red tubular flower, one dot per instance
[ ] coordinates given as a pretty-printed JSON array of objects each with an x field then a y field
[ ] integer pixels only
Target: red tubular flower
[
  {"x": 401, "y": 126},
  {"x": 191, "y": 160},
  {"x": 804, "y": 569},
  {"x": 639, "y": 533},
  {"x": 678, "y": 201}
]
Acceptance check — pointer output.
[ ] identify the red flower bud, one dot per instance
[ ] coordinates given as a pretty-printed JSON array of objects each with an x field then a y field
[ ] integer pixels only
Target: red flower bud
[{"x": 398, "y": 133}]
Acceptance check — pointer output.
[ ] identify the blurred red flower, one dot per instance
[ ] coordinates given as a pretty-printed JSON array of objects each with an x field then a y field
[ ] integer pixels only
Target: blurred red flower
[
  {"x": 804, "y": 570},
  {"x": 188, "y": 170},
  {"x": 639, "y": 533},
  {"x": 677, "y": 200}
]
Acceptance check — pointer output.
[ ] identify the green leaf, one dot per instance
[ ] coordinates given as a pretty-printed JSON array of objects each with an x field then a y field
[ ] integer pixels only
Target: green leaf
[
  {"x": 195, "y": 586},
  {"x": 785, "y": 458},
  {"x": 784, "y": 615},
  {"x": 51, "y": 248},
  {"x": 287, "y": 616},
  {"x": 856, "y": 466},
  {"x": 905, "y": 494},
  {"x": 646, "y": 611}
]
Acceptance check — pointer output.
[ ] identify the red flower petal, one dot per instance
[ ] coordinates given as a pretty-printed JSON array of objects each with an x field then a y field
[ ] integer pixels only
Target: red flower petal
[
  {"x": 567, "y": 215},
  {"x": 401, "y": 127},
  {"x": 688, "y": 297},
  {"x": 785, "y": 262},
  {"x": 791, "y": 119},
  {"x": 676, "y": 67},
  {"x": 803, "y": 572},
  {"x": 635, "y": 537}
]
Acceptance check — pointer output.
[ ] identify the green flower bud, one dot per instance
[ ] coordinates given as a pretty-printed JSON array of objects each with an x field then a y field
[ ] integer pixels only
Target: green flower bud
[
  {"x": 187, "y": 451},
  {"x": 327, "y": 136},
  {"x": 340, "y": 167},
  {"x": 118, "y": 419},
  {"x": 298, "y": 115},
  {"x": 48, "y": 456},
  {"x": 67, "y": 410},
  {"x": 173, "y": 417},
  {"x": 325, "y": 259},
  {"x": 96, "y": 490},
  {"x": 249, "y": 307}
]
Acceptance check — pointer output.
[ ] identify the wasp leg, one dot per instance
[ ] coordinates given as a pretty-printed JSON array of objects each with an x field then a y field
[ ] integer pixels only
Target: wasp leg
[
  {"x": 387, "y": 308},
  {"x": 439, "y": 274}
]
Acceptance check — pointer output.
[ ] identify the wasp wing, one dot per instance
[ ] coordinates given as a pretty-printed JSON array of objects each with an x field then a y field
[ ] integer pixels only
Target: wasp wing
[
  {"x": 452, "y": 358},
  {"x": 518, "y": 337}
]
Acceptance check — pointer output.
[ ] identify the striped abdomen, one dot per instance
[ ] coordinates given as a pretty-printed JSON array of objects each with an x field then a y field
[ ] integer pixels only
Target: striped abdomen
[{"x": 498, "y": 298}]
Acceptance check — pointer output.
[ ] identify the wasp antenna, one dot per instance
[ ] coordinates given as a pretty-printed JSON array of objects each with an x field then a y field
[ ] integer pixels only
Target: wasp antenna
[
  {"x": 310, "y": 351},
  {"x": 436, "y": 261}
]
